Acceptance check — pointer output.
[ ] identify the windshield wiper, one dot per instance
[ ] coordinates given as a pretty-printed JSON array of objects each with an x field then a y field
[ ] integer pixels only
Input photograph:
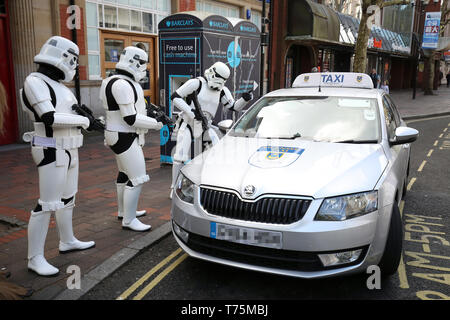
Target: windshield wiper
[
  {"x": 356, "y": 141},
  {"x": 295, "y": 136}
]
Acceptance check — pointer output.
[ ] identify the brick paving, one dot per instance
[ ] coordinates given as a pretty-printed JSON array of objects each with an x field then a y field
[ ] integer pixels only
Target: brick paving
[{"x": 94, "y": 215}]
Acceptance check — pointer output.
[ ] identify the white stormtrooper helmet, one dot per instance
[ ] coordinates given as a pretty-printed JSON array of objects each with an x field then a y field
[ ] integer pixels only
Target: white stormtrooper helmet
[
  {"x": 60, "y": 53},
  {"x": 134, "y": 61},
  {"x": 217, "y": 75}
]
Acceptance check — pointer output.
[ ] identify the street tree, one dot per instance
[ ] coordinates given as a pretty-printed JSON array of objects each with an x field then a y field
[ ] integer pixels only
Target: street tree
[{"x": 367, "y": 11}]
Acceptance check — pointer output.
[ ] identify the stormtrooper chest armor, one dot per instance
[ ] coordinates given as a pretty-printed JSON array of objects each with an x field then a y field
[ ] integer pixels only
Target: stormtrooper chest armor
[
  {"x": 114, "y": 118},
  {"x": 208, "y": 98}
]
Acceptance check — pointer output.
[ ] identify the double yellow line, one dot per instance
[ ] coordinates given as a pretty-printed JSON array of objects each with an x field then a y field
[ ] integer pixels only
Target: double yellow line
[
  {"x": 402, "y": 269},
  {"x": 157, "y": 279}
]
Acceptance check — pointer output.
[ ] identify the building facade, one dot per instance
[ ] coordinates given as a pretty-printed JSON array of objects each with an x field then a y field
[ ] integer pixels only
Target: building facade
[{"x": 102, "y": 29}]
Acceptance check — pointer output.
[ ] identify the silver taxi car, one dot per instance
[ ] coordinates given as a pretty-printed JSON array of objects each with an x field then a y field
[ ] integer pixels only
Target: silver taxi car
[{"x": 306, "y": 183}]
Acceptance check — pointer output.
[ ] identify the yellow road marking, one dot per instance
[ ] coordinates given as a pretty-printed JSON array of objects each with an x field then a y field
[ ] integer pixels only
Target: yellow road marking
[
  {"x": 160, "y": 276},
  {"x": 426, "y": 248},
  {"x": 138, "y": 283},
  {"x": 401, "y": 267},
  {"x": 430, "y": 152},
  {"x": 402, "y": 274},
  {"x": 440, "y": 136},
  {"x": 445, "y": 130},
  {"x": 435, "y": 143},
  {"x": 402, "y": 205},
  {"x": 422, "y": 165},
  {"x": 410, "y": 184}
]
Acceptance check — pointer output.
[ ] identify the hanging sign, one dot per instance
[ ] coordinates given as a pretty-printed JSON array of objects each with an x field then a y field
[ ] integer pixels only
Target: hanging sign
[{"x": 431, "y": 30}]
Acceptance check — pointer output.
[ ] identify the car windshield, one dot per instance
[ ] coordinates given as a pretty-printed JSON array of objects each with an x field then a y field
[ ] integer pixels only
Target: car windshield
[{"x": 330, "y": 119}]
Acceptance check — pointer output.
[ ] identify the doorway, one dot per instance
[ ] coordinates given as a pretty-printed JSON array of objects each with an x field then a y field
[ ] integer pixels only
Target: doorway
[{"x": 112, "y": 45}]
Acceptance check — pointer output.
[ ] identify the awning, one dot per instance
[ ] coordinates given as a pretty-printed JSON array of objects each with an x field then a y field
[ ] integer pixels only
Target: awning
[{"x": 380, "y": 39}]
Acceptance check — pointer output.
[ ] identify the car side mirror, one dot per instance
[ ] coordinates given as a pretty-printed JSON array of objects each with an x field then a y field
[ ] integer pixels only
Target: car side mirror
[
  {"x": 225, "y": 125},
  {"x": 404, "y": 135}
]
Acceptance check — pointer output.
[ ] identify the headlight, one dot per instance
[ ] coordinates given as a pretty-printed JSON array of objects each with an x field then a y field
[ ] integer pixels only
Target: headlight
[
  {"x": 347, "y": 207},
  {"x": 185, "y": 189}
]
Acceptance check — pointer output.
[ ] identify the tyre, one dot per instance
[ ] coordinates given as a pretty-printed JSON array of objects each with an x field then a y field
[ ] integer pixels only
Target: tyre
[{"x": 393, "y": 249}]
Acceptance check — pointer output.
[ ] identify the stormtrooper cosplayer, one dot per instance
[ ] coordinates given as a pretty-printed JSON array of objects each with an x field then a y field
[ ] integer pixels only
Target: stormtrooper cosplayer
[
  {"x": 209, "y": 90},
  {"x": 126, "y": 125},
  {"x": 54, "y": 148}
]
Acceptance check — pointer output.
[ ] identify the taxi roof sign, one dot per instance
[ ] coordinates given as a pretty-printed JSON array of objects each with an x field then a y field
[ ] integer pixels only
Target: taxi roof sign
[{"x": 333, "y": 79}]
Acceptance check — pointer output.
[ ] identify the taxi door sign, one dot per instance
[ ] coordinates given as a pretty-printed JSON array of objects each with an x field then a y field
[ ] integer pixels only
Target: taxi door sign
[{"x": 274, "y": 156}]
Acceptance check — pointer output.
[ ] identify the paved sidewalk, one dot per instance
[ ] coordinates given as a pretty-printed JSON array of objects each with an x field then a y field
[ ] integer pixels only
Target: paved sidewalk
[
  {"x": 422, "y": 105},
  {"x": 94, "y": 214}
]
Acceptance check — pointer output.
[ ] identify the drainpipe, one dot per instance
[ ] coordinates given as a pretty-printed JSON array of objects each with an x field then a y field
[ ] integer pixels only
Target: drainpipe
[{"x": 77, "y": 73}]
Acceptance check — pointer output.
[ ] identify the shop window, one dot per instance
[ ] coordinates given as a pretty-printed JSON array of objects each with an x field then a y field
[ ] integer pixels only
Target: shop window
[
  {"x": 92, "y": 39},
  {"x": 136, "y": 3},
  {"x": 126, "y": 2},
  {"x": 124, "y": 19},
  {"x": 94, "y": 65},
  {"x": 149, "y": 4},
  {"x": 100, "y": 16},
  {"x": 147, "y": 21},
  {"x": 2, "y": 7},
  {"x": 136, "y": 21},
  {"x": 113, "y": 49},
  {"x": 110, "y": 17},
  {"x": 91, "y": 14}
]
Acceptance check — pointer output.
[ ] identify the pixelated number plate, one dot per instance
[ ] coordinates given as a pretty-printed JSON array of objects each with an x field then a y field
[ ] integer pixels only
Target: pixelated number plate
[{"x": 254, "y": 237}]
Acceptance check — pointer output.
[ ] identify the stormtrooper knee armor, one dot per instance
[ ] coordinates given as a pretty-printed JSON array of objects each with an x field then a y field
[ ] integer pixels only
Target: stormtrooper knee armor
[
  {"x": 210, "y": 91},
  {"x": 126, "y": 125},
  {"x": 54, "y": 147}
]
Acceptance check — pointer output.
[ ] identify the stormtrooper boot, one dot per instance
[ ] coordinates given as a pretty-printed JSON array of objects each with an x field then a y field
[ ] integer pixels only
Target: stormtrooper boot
[
  {"x": 37, "y": 232},
  {"x": 130, "y": 201},
  {"x": 67, "y": 241},
  {"x": 120, "y": 189},
  {"x": 176, "y": 167}
]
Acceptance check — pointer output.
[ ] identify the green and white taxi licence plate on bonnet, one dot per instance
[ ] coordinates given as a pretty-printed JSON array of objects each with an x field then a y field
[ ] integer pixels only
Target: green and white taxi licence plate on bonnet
[{"x": 250, "y": 236}]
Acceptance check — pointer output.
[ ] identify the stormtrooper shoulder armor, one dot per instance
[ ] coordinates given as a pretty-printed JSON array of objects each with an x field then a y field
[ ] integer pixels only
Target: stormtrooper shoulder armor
[
  {"x": 188, "y": 88},
  {"x": 36, "y": 90},
  {"x": 123, "y": 92}
]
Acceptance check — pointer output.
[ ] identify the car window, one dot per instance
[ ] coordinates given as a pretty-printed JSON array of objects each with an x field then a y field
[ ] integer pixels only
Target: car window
[
  {"x": 389, "y": 118},
  {"x": 394, "y": 109},
  {"x": 331, "y": 119}
]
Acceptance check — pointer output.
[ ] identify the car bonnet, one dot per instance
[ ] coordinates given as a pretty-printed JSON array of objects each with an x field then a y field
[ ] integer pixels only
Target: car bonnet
[{"x": 291, "y": 167}]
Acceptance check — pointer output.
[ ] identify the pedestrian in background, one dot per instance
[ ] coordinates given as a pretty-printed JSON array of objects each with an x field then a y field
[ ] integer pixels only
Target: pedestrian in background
[
  {"x": 375, "y": 78},
  {"x": 385, "y": 86},
  {"x": 441, "y": 75}
]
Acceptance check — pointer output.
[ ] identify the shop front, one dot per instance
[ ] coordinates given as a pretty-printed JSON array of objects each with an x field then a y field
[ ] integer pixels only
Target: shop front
[{"x": 317, "y": 36}]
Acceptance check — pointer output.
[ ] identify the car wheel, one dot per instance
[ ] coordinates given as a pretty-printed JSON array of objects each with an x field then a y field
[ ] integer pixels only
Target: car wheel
[{"x": 393, "y": 249}]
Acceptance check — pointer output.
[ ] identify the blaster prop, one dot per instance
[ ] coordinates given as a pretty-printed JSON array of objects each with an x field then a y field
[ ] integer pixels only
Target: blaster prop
[
  {"x": 199, "y": 113},
  {"x": 94, "y": 124},
  {"x": 160, "y": 116}
]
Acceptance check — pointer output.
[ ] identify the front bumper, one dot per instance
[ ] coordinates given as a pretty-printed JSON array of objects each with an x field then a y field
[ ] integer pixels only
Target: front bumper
[{"x": 301, "y": 241}]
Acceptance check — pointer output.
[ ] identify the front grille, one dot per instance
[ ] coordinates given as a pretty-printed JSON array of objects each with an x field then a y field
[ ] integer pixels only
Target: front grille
[
  {"x": 268, "y": 210},
  {"x": 260, "y": 256}
]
